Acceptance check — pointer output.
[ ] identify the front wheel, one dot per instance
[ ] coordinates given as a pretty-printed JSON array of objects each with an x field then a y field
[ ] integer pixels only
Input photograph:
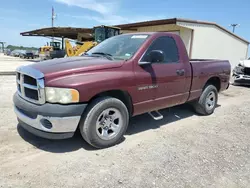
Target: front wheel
[
  {"x": 207, "y": 101},
  {"x": 105, "y": 122}
]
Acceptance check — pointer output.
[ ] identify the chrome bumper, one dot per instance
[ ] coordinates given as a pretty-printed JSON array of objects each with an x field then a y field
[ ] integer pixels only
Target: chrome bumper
[{"x": 50, "y": 124}]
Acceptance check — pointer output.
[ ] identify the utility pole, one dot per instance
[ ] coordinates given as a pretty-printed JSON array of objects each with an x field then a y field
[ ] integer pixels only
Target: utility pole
[
  {"x": 234, "y": 26},
  {"x": 2, "y": 43},
  {"x": 53, "y": 16}
]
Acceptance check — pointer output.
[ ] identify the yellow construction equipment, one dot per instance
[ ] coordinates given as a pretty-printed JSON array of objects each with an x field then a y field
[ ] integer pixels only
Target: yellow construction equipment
[
  {"x": 45, "y": 51},
  {"x": 79, "y": 48},
  {"x": 100, "y": 34}
]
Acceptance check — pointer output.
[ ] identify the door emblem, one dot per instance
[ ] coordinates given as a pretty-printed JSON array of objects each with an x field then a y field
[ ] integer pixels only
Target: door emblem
[{"x": 147, "y": 87}]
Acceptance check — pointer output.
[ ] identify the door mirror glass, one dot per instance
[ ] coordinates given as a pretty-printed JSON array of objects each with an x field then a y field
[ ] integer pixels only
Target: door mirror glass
[{"x": 156, "y": 56}]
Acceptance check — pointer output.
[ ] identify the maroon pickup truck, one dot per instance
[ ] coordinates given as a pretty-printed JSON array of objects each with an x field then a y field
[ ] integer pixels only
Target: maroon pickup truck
[{"x": 123, "y": 76}]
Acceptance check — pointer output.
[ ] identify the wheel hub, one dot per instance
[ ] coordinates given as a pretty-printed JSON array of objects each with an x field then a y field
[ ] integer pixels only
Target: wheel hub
[
  {"x": 210, "y": 100},
  {"x": 109, "y": 123}
]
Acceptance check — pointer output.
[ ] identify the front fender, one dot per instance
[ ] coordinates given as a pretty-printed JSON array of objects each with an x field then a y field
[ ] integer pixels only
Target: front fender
[{"x": 93, "y": 83}]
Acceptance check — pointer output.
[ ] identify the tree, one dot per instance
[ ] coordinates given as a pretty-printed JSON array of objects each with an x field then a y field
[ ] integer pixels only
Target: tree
[{"x": 12, "y": 47}]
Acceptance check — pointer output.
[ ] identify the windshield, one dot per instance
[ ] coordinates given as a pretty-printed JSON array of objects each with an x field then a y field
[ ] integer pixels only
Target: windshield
[
  {"x": 55, "y": 44},
  {"x": 120, "y": 47},
  {"x": 112, "y": 32},
  {"x": 99, "y": 34}
]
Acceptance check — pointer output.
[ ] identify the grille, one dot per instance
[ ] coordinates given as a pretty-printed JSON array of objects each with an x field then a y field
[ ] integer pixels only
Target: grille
[
  {"x": 247, "y": 71},
  {"x": 30, "y": 88},
  {"x": 29, "y": 80},
  {"x": 31, "y": 93}
]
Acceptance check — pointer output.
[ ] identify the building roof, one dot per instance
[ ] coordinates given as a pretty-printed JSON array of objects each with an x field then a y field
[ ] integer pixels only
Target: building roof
[
  {"x": 173, "y": 21},
  {"x": 72, "y": 33},
  {"x": 66, "y": 32}
]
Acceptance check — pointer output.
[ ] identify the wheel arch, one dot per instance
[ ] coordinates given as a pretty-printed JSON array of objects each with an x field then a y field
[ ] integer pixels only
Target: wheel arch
[
  {"x": 215, "y": 81},
  {"x": 124, "y": 96}
]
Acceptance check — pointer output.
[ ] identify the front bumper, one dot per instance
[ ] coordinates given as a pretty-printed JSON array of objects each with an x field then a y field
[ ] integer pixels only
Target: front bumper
[
  {"x": 53, "y": 121},
  {"x": 241, "y": 79}
]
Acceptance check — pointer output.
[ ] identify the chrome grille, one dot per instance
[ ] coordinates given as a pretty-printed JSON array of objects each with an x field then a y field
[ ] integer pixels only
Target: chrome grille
[{"x": 30, "y": 84}]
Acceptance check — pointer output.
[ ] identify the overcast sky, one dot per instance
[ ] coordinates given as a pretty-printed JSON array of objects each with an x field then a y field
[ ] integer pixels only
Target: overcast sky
[{"x": 18, "y": 16}]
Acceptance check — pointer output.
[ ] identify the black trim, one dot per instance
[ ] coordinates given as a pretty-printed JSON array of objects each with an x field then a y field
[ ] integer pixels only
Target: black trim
[
  {"x": 47, "y": 109},
  {"x": 43, "y": 134},
  {"x": 242, "y": 81}
]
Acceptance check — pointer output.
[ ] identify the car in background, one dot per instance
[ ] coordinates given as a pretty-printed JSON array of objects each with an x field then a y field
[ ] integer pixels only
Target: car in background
[
  {"x": 21, "y": 54},
  {"x": 27, "y": 55},
  {"x": 241, "y": 73},
  {"x": 7, "y": 52},
  {"x": 36, "y": 53},
  {"x": 16, "y": 54}
]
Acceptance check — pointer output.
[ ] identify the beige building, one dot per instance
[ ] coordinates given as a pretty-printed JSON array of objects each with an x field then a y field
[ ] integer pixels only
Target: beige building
[{"x": 203, "y": 40}]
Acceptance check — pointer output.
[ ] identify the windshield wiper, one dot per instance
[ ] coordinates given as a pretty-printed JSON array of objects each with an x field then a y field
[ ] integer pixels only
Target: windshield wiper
[{"x": 107, "y": 55}]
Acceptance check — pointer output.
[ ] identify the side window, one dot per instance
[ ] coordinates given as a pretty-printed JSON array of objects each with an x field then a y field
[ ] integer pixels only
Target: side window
[{"x": 169, "y": 48}]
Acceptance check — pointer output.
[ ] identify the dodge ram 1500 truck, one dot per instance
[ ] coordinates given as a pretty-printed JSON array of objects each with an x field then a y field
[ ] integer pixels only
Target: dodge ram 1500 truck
[{"x": 123, "y": 76}]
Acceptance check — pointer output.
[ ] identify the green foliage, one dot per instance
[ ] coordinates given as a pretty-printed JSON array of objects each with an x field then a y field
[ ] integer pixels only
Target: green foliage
[{"x": 12, "y": 47}]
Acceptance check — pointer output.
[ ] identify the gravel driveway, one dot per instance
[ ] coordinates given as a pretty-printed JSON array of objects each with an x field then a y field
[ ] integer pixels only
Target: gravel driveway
[{"x": 182, "y": 150}]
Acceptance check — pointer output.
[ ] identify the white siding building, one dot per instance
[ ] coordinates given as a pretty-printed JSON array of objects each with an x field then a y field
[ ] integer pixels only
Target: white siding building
[{"x": 203, "y": 40}]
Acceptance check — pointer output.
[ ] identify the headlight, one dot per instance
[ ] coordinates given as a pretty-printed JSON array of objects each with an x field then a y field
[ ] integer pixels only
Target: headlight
[
  {"x": 61, "y": 95},
  {"x": 238, "y": 70}
]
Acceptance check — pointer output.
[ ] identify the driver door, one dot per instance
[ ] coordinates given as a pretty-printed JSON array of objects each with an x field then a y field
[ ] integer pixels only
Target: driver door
[{"x": 165, "y": 86}]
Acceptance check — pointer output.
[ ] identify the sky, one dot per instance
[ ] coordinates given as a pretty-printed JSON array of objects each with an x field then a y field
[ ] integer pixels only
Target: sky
[{"x": 17, "y": 16}]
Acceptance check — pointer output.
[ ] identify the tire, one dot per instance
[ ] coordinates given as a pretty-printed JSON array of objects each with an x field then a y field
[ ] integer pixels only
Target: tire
[
  {"x": 201, "y": 106},
  {"x": 95, "y": 113}
]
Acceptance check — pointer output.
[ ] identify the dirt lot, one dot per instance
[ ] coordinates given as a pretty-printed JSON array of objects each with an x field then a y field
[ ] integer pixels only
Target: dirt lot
[
  {"x": 8, "y": 64},
  {"x": 182, "y": 150}
]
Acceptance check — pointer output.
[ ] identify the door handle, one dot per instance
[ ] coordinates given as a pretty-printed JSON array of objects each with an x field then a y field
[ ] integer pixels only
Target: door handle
[{"x": 180, "y": 72}]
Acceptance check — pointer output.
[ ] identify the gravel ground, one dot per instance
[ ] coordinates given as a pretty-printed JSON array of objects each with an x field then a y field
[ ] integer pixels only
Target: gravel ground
[
  {"x": 182, "y": 150},
  {"x": 8, "y": 64}
]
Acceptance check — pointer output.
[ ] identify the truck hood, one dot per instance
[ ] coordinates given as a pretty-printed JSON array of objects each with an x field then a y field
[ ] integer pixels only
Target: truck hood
[
  {"x": 245, "y": 63},
  {"x": 73, "y": 65}
]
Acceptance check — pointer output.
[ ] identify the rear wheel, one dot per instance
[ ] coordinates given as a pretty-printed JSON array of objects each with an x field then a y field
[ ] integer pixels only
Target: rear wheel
[
  {"x": 105, "y": 122},
  {"x": 207, "y": 101}
]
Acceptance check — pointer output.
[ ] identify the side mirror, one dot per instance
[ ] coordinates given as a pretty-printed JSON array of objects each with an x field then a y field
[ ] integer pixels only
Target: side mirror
[
  {"x": 153, "y": 57},
  {"x": 156, "y": 56}
]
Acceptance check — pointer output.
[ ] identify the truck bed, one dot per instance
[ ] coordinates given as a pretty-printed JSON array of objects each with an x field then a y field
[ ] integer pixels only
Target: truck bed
[{"x": 203, "y": 69}]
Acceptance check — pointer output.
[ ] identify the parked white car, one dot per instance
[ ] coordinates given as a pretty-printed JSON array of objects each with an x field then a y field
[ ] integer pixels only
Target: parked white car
[{"x": 241, "y": 73}]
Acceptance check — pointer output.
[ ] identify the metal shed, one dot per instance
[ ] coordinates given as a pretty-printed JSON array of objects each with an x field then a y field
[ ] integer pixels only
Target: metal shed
[{"x": 202, "y": 39}]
